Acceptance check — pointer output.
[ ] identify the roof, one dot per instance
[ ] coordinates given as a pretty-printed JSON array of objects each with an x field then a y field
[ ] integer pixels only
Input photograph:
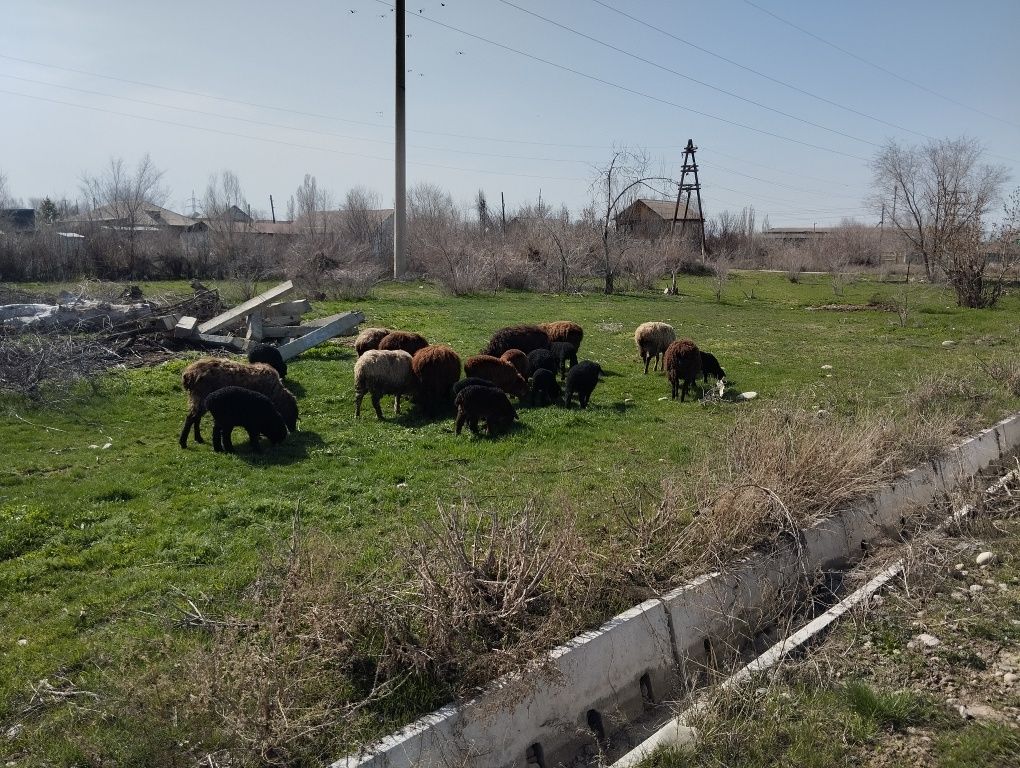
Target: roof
[
  {"x": 664, "y": 209},
  {"x": 798, "y": 231},
  {"x": 149, "y": 215}
]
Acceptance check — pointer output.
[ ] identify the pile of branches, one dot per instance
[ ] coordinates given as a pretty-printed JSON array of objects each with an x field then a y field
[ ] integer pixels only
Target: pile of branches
[{"x": 35, "y": 365}]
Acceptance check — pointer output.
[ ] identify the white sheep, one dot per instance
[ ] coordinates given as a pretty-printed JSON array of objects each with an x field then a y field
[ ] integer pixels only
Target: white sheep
[
  {"x": 652, "y": 339},
  {"x": 382, "y": 372}
]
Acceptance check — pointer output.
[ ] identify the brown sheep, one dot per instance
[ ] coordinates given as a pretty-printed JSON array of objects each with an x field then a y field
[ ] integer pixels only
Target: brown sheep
[
  {"x": 517, "y": 359},
  {"x": 369, "y": 339},
  {"x": 522, "y": 337},
  {"x": 682, "y": 362},
  {"x": 405, "y": 340},
  {"x": 499, "y": 372},
  {"x": 203, "y": 377},
  {"x": 436, "y": 369},
  {"x": 564, "y": 330}
]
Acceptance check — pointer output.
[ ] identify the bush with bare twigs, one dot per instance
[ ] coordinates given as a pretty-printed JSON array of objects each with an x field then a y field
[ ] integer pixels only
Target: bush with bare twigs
[{"x": 46, "y": 366}]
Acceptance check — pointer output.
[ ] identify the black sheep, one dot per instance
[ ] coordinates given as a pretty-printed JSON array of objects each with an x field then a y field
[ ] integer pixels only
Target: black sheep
[
  {"x": 581, "y": 379},
  {"x": 545, "y": 390},
  {"x": 489, "y": 403},
  {"x": 710, "y": 365},
  {"x": 565, "y": 352},
  {"x": 542, "y": 358},
  {"x": 471, "y": 381},
  {"x": 252, "y": 411},
  {"x": 267, "y": 353}
]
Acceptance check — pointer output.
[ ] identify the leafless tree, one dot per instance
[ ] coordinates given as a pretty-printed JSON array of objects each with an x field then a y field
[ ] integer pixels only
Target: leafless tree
[
  {"x": 232, "y": 243},
  {"x": 5, "y": 195},
  {"x": 618, "y": 182},
  {"x": 312, "y": 207},
  {"x": 937, "y": 195},
  {"x": 123, "y": 194},
  {"x": 357, "y": 222}
]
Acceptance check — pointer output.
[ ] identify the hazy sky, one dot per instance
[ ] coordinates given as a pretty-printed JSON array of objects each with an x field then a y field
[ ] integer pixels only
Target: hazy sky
[{"x": 501, "y": 100}]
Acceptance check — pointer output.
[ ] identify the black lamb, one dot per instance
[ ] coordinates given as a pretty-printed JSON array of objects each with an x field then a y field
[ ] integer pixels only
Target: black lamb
[
  {"x": 267, "y": 353},
  {"x": 565, "y": 352},
  {"x": 542, "y": 358},
  {"x": 489, "y": 403},
  {"x": 710, "y": 365},
  {"x": 545, "y": 390},
  {"x": 252, "y": 411},
  {"x": 471, "y": 381},
  {"x": 581, "y": 380}
]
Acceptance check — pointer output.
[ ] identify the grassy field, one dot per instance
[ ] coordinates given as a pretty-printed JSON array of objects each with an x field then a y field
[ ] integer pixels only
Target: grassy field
[{"x": 105, "y": 522}]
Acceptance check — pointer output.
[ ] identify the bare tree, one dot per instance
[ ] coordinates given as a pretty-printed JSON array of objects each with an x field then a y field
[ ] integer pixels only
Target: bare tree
[
  {"x": 121, "y": 195},
  {"x": 5, "y": 195},
  {"x": 358, "y": 224},
  {"x": 231, "y": 239},
  {"x": 616, "y": 182},
  {"x": 312, "y": 207},
  {"x": 937, "y": 195}
]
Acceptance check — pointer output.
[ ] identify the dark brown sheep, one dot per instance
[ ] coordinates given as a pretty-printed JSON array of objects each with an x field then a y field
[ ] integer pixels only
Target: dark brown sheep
[
  {"x": 405, "y": 340},
  {"x": 522, "y": 337},
  {"x": 436, "y": 369},
  {"x": 369, "y": 339},
  {"x": 517, "y": 359},
  {"x": 682, "y": 362},
  {"x": 499, "y": 372},
  {"x": 205, "y": 376},
  {"x": 564, "y": 330}
]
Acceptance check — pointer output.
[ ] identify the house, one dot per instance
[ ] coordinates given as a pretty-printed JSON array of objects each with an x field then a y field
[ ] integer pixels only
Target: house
[
  {"x": 144, "y": 217},
  {"x": 17, "y": 220},
  {"x": 653, "y": 218},
  {"x": 795, "y": 235}
]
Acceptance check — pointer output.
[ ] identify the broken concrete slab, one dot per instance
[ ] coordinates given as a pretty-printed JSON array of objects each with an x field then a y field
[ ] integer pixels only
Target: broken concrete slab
[
  {"x": 246, "y": 308},
  {"x": 332, "y": 326},
  {"x": 296, "y": 307},
  {"x": 186, "y": 327}
]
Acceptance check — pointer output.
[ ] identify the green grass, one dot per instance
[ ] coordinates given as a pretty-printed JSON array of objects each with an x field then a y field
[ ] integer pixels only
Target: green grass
[{"x": 95, "y": 541}]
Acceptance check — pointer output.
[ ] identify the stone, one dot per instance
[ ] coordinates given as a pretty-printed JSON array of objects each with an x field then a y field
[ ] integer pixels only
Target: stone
[
  {"x": 928, "y": 640},
  {"x": 1009, "y": 678},
  {"x": 985, "y": 558},
  {"x": 948, "y": 344},
  {"x": 22, "y": 642},
  {"x": 975, "y": 588}
]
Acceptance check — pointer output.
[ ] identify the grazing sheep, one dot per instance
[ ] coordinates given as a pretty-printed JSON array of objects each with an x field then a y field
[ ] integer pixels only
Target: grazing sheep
[
  {"x": 499, "y": 372},
  {"x": 471, "y": 381},
  {"x": 405, "y": 340},
  {"x": 203, "y": 377},
  {"x": 652, "y": 340},
  {"x": 545, "y": 390},
  {"x": 369, "y": 339},
  {"x": 564, "y": 330},
  {"x": 522, "y": 337},
  {"x": 710, "y": 366},
  {"x": 382, "y": 372},
  {"x": 682, "y": 362},
  {"x": 252, "y": 411},
  {"x": 517, "y": 359},
  {"x": 474, "y": 403},
  {"x": 436, "y": 368},
  {"x": 539, "y": 359},
  {"x": 581, "y": 379},
  {"x": 564, "y": 352},
  {"x": 270, "y": 355}
]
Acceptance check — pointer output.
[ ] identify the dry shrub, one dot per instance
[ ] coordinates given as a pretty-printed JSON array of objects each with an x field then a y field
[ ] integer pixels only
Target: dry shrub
[
  {"x": 1006, "y": 373},
  {"x": 47, "y": 366}
]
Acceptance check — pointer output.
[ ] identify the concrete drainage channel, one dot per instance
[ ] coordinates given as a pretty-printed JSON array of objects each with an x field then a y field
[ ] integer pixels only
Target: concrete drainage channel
[{"x": 605, "y": 685}]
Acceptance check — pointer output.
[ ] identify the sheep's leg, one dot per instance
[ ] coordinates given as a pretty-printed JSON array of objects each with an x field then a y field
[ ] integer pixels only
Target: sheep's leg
[
  {"x": 217, "y": 437},
  {"x": 566, "y": 399},
  {"x": 461, "y": 416},
  {"x": 358, "y": 397},
  {"x": 184, "y": 432},
  {"x": 583, "y": 400},
  {"x": 198, "y": 420},
  {"x": 396, "y": 405},
  {"x": 228, "y": 446},
  {"x": 473, "y": 423},
  {"x": 676, "y": 388},
  {"x": 683, "y": 393},
  {"x": 376, "y": 399},
  {"x": 648, "y": 359},
  {"x": 253, "y": 438}
]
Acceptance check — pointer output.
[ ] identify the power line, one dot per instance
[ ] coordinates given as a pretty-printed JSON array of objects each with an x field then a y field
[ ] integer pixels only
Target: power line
[
  {"x": 283, "y": 143},
  {"x": 758, "y": 72},
  {"x": 625, "y": 88},
  {"x": 879, "y": 67},
  {"x": 664, "y": 68}
]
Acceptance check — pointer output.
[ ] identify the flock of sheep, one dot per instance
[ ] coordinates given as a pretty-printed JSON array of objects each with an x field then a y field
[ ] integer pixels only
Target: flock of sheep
[{"x": 521, "y": 361}]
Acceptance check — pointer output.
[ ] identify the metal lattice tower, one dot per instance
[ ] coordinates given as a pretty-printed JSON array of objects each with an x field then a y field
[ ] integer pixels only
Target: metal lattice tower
[{"x": 690, "y": 166}]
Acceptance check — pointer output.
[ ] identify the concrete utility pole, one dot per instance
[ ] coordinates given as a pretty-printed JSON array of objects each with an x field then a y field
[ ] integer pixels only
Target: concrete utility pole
[{"x": 400, "y": 155}]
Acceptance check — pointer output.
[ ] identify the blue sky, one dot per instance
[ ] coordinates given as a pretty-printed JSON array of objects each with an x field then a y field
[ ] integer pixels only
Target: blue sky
[{"x": 273, "y": 91}]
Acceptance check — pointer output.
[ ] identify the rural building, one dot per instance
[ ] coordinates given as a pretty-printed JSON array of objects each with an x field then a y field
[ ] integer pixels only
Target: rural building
[
  {"x": 795, "y": 235},
  {"x": 17, "y": 220},
  {"x": 146, "y": 217},
  {"x": 653, "y": 218}
]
